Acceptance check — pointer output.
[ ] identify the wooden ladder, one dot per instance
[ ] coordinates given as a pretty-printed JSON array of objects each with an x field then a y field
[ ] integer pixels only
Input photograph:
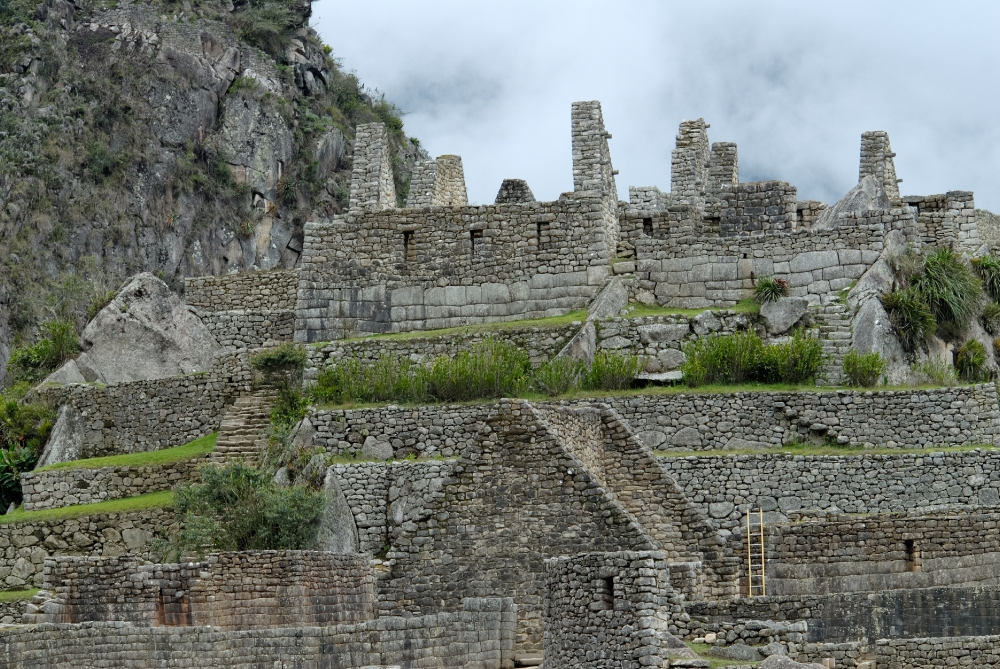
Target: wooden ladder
[{"x": 756, "y": 579}]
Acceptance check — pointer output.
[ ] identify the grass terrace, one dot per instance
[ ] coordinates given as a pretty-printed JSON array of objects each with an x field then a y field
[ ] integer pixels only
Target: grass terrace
[
  {"x": 479, "y": 328},
  {"x": 17, "y": 595},
  {"x": 197, "y": 448},
  {"x": 153, "y": 500}
]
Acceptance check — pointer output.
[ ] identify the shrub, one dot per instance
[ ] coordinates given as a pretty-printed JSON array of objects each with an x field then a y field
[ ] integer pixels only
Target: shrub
[
  {"x": 24, "y": 429},
  {"x": 723, "y": 358},
  {"x": 280, "y": 360},
  {"x": 560, "y": 375},
  {"x": 243, "y": 83},
  {"x": 795, "y": 361},
  {"x": 238, "y": 508},
  {"x": 907, "y": 264},
  {"x": 613, "y": 371},
  {"x": 769, "y": 289},
  {"x": 970, "y": 361},
  {"x": 988, "y": 270},
  {"x": 282, "y": 368},
  {"x": 910, "y": 315},
  {"x": 391, "y": 378},
  {"x": 864, "y": 370},
  {"x": 949, "y": 287},
  {"x": 265, "y": 24},
  {"x": 491, "y": 369},
  {"x": 743, "y": 357},
  {"x": 990, "y": 318},
  {"x": 35, "y": 362}
]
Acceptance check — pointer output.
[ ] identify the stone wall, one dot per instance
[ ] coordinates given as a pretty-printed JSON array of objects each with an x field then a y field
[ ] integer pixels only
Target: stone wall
[
  {"x": 138, "y": 416},
  {"x": 228, "y": 591},
  {"x": 11, "y": 611},
  {"x": 540, "y": 342},
  {"x": 978, "y": 651},
  {"x": 757, "y": 207},
  {"x": 56, "y": 488},
  {"x": 512, "y": 501},
  {"x": 478, "y": 635},
  {"x": 595, "y": 605},
  {"x": 687, "y": 268},
  {"x": 892, "y": 418},
  {"x": 725, "y": 486},
  {"x": 948, "y": 219},
  {"x": 378, "y": 270},
  {"x": 385, "y": 498},
  {"x": 25, "y": 545},
  {"x": 273, "y": 290},
  {"x": 868, "y": 616},
  {"x": 372, "y": 185},
  {"x": 249, "y": 328},
  {"x": 846, "y": 553},
  {"x": 437, "y": 183},
  {"x": 425, "y": 431}
]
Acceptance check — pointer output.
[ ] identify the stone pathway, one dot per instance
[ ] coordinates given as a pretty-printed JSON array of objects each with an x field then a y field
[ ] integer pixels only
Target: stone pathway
[{"x": 243, "y": 433}]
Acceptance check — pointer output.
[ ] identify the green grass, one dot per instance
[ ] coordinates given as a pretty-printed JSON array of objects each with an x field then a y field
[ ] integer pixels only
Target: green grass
[
  {"x": 151, "y": 500},
  {"x": 196, "y": 448},
  {"x": 17, "y": 595},
  {"x": 554, "y": 321},
  {"x": 825, "y": 449}
]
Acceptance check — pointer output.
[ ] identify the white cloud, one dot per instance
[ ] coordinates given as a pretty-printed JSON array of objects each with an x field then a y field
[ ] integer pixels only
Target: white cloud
[{"x": 794, "y": 84}]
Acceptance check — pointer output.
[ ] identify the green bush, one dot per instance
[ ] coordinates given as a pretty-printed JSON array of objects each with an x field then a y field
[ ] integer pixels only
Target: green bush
[
  {"x": 266, "y": 24},
  {"x": 491, "y": 369},
  {"x": 743, "y": 357},
  {"x": 970, "y": 361},
  {"x": 24, "y": 429},
  {"x": 949, "y": 287},
  {"x": 35, "y": 362},
  {"x": 990, "y": 318},
  {"x": 933, "y": 373},
  {"x": 282, "y": 359},
  {"x": 769, "y": 289},
  {"x": 910, "y": 315},
  {"x": 391, "y": 378},
  {"x": 988, "y": 270},
  {"x": 99, "y": 302},
  {"x": 238, "y": 508},
  {"x": 560, "y": 375},
  {"x": 864, "y": 370},
  {"x": 795, "y": 361},
  {"x": 613, "y": 371}
]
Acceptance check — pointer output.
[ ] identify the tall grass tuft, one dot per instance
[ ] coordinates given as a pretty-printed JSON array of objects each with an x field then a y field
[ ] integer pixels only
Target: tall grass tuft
[
  {"x": 988, "y": 270},
  {"x": 910, "y": 315},
  {"x": 613, "y": 371},
  {"x": 769, "y": 289},
  {"x": 950, "y": 287},
  {"x": 990, "y": 318},
  {"x": 491, "y": 369},
  {"x": 796, "y": 361},
  {"x": 970, "y": 361},
  {"x": 864, "y": 370},
  {"x": 560, "y": 376},
  {"x": 743, "y": 357}
]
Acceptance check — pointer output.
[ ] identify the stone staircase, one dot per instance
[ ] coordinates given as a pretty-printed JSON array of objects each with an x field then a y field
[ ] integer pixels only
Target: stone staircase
[
  {"x": 834, "y": 322},
  {"x": 243, "y": 433}
]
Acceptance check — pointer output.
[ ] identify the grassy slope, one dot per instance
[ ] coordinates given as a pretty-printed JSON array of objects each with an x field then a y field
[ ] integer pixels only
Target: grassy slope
[
  {"x": 151, "y": 500},
  {"x": 196, "y": 448},
  {"x": 552, "y": 322},
  {"x": 17, "y": 595}
]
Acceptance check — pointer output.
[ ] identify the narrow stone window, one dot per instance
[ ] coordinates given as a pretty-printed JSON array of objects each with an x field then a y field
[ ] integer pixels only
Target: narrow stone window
[
  {"x": 543, "y": 234},
  {"x": 605, "y": 595},
  {"x": 911, "y": 555},
  {"x": 713, "y": 225},
  {"x": 410, "y": 245},
  {"x": 647, "y": 226},
  {"x": 476, "y": 236}
]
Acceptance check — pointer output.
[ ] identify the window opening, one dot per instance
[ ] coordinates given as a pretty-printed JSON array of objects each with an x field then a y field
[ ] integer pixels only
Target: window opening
[
  {"x": 476, "y": 236},
  {"x": 543, "y": 234},
  {"x": 605, "y": 597},
  {"x": 647, "y": 226},
  {"x": 410, "y": 245}
]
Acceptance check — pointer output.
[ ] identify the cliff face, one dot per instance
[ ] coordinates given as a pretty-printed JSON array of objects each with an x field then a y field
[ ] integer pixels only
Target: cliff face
[{"x": 180, "y": 138}]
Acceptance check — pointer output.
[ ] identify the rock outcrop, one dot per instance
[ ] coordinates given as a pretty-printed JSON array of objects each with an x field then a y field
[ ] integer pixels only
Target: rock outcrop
[
  {"x": 868, "y": 195},
  {"x": 145, "y": 332}
]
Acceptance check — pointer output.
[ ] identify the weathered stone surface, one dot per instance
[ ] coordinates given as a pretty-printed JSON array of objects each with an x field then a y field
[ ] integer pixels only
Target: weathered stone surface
[
  {"x": 868, "y": 195},
  {"x": 583, "y": 345},
  {"x": 338, "y": 532},
  {"x": 705, "y": 322},
  {"x": 377, "y": 450},
  {"x": 663, "y": 332},
  {"x": 67, "y": 438},
  {"x": 773, "y": 648},
  {"x": 779, "y": 316},
  {"x": 146, "y": 332},
  {"x": 873, "y": 333},
  {"x": 776, "y": 661},
  {"x": 687, "y": 436},
  {"x": 738, "y": 651},
  {"x": 609, "y": 302}
]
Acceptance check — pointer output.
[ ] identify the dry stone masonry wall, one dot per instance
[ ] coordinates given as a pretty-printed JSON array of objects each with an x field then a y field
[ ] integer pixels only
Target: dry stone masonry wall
[
  {"x": 725, "y": 487},
  {"x": 249, "y": 329},
  {"x": 138, "y": 416},
  {"x": 56, "y": 488},
  {"x": 272, "y": 291}
]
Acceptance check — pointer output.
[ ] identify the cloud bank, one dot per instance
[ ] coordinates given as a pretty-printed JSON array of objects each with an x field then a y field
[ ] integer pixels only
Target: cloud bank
[{"x": 793, "y": 83}]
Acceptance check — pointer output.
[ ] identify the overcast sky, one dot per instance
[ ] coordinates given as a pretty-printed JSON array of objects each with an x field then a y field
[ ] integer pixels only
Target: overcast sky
[{"x": 794, "y": 84}]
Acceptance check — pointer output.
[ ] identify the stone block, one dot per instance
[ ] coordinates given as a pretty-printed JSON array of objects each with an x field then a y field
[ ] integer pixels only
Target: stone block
[{"x": 812, "y": 260}]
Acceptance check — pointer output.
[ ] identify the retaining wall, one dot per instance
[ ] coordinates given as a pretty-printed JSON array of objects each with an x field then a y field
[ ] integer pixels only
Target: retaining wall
[
  {"x": 725, "y": 486},
  {"x": 477, "y": 636},
  {"x": 139, "y": 416},
  {"x": 25, "y": 545},
  {"x": 978, "y": 651},
  {"x": 249, "y": 328},
  {"x": 57, "y": 488}
]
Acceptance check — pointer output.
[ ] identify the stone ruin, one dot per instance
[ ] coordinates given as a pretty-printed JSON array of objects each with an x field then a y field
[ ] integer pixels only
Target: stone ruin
[{"x": 601, "y": 532}]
